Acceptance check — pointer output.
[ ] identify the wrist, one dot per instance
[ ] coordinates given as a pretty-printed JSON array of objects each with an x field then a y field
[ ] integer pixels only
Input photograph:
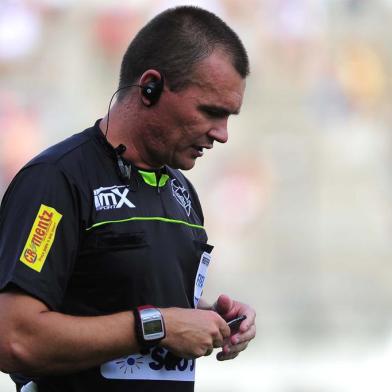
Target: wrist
[{"x": 149, "y": 326}]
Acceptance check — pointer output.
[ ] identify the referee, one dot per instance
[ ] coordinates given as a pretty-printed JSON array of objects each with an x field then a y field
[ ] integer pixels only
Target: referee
[{"x": 103, "y": 251}]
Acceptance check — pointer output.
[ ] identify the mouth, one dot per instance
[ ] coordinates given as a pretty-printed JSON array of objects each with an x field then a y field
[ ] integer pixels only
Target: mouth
[{"x": 200, "y": 149}]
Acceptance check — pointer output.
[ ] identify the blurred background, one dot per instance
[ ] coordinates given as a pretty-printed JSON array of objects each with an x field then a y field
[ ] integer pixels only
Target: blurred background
[{"x": 297, "y": 204}]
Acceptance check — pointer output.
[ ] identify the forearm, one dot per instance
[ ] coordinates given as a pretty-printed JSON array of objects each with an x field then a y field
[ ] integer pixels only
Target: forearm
[
  {"x": 46, "y": 342},
  {"x": 37, "y": 341},
  {"x": 76, "y": 343},
  {"x": 58, "y": 343}
]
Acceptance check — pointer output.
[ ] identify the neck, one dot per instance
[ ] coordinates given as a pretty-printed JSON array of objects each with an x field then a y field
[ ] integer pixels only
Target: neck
[{"x": 125, "y": 127}]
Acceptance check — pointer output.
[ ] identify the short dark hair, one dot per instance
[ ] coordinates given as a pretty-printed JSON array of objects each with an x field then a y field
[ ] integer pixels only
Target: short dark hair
[{"x": 177, "y": 39}]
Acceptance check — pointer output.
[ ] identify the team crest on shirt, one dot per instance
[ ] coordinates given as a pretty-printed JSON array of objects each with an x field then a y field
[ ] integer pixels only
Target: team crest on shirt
[{"x": 181, "y": 195}]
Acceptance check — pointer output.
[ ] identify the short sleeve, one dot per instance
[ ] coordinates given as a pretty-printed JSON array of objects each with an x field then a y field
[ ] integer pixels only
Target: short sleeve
[{"x": 39, "y": 233}]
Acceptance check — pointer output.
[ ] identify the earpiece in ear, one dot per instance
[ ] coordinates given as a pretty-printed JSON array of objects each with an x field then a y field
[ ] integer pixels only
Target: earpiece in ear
[{"x": 153, "y": 90}]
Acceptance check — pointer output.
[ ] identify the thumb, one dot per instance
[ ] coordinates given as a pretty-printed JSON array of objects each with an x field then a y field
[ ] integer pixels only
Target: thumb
[{"x": 223, "y": 304}]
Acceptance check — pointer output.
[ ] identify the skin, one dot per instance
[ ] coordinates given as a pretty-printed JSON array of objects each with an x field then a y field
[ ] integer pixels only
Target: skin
[
  {"x": 35, "y": 340},
  {"x": 239, "y": 339},
  {"x": 170, "y": 130}
]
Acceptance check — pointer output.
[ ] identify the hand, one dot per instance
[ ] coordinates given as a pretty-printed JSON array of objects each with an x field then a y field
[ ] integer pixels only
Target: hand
[
  {"x": 192, "y": 333},
  {"x": 239, "y": 339}
]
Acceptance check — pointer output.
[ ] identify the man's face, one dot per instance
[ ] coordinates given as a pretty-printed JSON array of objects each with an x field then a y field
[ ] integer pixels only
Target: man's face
[{"x": 191, "y": 120}]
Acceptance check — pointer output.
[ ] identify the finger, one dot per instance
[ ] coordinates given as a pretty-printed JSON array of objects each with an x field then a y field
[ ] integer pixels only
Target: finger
[
  {"x": 217, "y": 343},
  {"x": 224, "y": 304},
  {"x": 221, "y": 356},
  {"x": 243, "y": 337},
  {"x": 208, "y": 352},
  {"x": 249, "y": 321},
  {"x": 224, "y": 329},
  {"x": 239, "y": 347},
  {"x": 226, "y": 348}
]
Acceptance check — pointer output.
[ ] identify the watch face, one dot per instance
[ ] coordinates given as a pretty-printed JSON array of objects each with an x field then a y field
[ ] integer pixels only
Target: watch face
[
  {"x": 152, "y": 327},
  {"x": 152, "y": 324}
]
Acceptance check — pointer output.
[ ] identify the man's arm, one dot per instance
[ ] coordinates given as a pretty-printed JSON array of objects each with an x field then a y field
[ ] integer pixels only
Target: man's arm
[{"x": 37, "y": 341}]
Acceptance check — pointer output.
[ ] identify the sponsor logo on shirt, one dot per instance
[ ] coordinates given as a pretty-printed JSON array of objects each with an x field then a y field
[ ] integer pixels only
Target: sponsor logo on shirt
[
  {"x": 41, "y": 238},
  {"x": 111, "y": 197},
  {"x": 153, "y": 364},
  {"x": 181, "y": 195}
]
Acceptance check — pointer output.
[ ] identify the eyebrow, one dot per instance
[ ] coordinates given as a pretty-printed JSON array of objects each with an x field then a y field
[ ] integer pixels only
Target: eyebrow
[{"x": 218, "y": 110}]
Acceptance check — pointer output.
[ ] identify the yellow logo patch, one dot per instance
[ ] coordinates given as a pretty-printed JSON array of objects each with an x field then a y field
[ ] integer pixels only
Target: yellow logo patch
[{"x": 41, "y": 238}]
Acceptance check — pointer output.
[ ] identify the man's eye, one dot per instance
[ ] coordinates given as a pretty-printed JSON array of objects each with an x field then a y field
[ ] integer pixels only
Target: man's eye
[
  {"x": 214, "y": 113},
  {"x": 210, "y": 113}
]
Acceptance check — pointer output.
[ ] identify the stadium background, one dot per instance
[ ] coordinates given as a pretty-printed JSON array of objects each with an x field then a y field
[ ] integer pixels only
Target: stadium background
[{"x": 298, "y": 203}]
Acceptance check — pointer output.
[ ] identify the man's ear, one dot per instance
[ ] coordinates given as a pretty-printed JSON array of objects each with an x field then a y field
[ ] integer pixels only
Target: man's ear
[{"x": 152, "y": 84}]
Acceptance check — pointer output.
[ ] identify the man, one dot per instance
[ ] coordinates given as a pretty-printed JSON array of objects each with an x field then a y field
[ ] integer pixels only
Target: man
[{"x": 103, "y": 254}]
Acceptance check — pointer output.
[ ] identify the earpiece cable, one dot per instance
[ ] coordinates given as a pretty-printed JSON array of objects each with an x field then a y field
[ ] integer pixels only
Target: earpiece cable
[{"x": 110, "y": 104}]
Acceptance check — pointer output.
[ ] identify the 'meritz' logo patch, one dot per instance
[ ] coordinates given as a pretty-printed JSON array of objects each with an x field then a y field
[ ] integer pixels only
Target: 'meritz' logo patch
[
  {"x": 41, "y": 237},
  {"x": 111, "y": 197},
  {"x": 181, "y": 195}
]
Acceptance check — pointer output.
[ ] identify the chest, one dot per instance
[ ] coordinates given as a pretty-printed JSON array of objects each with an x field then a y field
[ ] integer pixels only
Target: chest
[{"x": 140, "y": 247}]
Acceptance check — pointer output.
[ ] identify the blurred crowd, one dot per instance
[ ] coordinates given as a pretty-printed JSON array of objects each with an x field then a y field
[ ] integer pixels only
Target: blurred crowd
[
  {"x": 322, "y": 62},
  {"x": 298, "y": 203}
]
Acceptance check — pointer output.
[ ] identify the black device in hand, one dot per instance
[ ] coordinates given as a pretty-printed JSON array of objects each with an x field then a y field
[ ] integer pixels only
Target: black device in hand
[{"x": 235, "y": 323}]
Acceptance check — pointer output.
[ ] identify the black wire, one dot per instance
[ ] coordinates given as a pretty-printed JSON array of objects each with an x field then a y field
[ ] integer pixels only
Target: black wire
[{"x": 110, "y": 104}]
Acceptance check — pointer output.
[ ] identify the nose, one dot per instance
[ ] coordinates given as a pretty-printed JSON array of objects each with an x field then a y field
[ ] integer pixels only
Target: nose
[{"x": 219, "y": 131}]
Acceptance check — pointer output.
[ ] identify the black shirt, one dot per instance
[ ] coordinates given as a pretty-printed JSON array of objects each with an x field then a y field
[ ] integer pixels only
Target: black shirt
[{"x": 79, "y": 237}]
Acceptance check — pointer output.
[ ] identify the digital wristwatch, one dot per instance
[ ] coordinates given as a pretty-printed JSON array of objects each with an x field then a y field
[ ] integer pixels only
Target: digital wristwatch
[{"x": 149, "y": 325}]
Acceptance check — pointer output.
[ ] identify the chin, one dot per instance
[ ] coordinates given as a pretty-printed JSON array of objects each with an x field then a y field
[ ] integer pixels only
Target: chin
[{"x": 184, "y": 165}]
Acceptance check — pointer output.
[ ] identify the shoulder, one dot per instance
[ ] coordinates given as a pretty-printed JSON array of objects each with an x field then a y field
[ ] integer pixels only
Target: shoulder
[
  {"x": 76, "y": 158},
  {"x": 65, "y": 150},
  {"x": 61, "y": 167}
]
